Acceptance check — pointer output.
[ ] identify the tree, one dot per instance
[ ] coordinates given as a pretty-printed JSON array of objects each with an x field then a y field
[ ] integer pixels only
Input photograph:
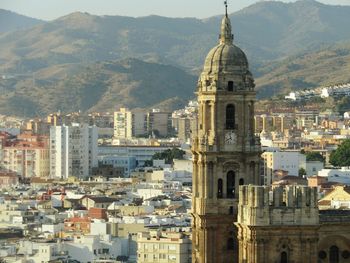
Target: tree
[
  {"x": 302, "y": 172},
  {"x": 341, "y": 156},
  {"x": 170, "y": 155},
  {"x": 314, "y": 156}
]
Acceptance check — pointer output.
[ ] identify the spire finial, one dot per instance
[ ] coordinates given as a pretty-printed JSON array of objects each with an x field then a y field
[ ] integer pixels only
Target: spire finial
[{"x": 226, "y": 36}]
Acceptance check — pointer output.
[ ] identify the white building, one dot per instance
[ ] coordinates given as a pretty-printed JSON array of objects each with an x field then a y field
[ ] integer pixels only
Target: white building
[
  {"x": 290, "y": 161},
  {"x": 347, "y": 115},
  {"x": 123, "y": 123},
  {"x": 73, "y": 150},
  {"x": 313, "y": 167},
  {"x": 141, "y": 153},
  {"x": 341, "y": 175},
  {"x": 89, "y": 248}
]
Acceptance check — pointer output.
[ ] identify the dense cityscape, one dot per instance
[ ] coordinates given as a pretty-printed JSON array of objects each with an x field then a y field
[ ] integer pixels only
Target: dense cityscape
[{"x": 226, "y": 178}]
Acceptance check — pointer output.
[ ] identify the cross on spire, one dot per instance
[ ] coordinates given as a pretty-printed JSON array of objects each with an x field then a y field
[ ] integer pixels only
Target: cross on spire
[{"x": 226, "y": 6}]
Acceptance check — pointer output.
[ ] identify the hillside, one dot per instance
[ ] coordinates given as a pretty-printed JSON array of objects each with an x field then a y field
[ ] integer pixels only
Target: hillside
[
  {"x": 101, "y": 86},
  {"x": 330, "y": 65},
  {"x": 10, "y": 21},
  {"x": 63, "y": 62},
  {"x": 266, "y": 31}
]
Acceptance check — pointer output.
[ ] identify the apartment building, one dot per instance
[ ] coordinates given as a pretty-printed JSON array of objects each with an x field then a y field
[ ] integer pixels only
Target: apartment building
[
  {"x": 136, "y": 123},
  {"x": 164, "y": 247},
  {"x": 289, "y": 161},
  {"x": 73, "y": 150},
  {"x": 27, "y": 155}
]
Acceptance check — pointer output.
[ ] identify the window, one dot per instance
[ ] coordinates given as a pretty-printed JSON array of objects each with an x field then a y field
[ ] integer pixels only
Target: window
[
  {"x": 220, "y": 188},
  {"x": 230, "y": 184},
  {"x": 230, "y": 244},
  {"x": 241, "y": 181},
  {"x": 231, "y": 210},
  {"x": 284, "y": 257},
  {"x": 333, "y": 254},
  {"x": 230, "y": 86},
  {"x": 230, "y": 117},
  {"x": 322, "y": 254}
]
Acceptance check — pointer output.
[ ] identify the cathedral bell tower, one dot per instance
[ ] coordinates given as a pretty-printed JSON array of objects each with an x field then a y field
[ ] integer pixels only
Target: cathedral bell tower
[{"x": 225, "y": 150}]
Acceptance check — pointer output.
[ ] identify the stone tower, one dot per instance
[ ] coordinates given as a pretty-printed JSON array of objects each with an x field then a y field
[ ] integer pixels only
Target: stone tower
[
  {"x": 225, "y": 151},
  {"x": 278, "y": 226}
]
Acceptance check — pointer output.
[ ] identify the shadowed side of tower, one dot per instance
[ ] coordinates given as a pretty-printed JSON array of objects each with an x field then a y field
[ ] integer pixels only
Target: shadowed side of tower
[{"x": 225, "y": 150}]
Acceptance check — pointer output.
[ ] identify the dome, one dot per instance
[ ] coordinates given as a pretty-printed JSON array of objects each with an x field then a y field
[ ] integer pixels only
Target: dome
[{"x": 225, "y": 57}]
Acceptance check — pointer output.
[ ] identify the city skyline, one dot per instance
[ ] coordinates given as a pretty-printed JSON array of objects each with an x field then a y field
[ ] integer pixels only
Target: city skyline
[{"x": 52, "y": 9}]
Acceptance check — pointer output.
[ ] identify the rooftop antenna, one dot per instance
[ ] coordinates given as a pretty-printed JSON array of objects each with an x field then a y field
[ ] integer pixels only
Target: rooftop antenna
[{"x": 225, "y": 3}]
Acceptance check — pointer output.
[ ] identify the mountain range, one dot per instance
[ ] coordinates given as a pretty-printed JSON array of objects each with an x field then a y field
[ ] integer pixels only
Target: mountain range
[
  {"x": 284, "y": 42},
  {"x": 10, "y": 21}
]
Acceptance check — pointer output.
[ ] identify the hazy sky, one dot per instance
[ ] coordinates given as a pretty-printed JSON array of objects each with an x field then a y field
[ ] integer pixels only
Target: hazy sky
[{"x": 51, "y": 9}]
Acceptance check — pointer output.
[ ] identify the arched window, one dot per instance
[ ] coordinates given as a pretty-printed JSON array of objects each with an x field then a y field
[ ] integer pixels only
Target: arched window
[
  {"x": 241, "y": 181},
  {"x": 333, "y": 254},
  {"x": 230, "y": 184},
  {"x": 230, "y": 244},
  {"x": 220, "y": 188},
  {"x": 230, "y": 117},
  {"x": 211, "y": 178},
  {"x": 231, "y": 210},
  {"x": 284, "y": 257},
  {"x": 230, "y": 86}
]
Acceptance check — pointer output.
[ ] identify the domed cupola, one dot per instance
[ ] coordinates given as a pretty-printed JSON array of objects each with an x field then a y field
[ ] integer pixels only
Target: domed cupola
[{"x": 226, "y": 63}]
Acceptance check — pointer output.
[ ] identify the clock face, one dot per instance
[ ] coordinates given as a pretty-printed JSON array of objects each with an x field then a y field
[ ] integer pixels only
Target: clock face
[{"x": 230, "y": 137}]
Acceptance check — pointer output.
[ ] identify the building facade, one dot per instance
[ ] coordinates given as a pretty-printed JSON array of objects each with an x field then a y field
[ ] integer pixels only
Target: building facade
[
  {"x": 73, "y": 150},
  {"x": 225, "y": 151},
  {"x": 285, "y": 225},
  {"x": 290, "y": 161},
  {"x": 278, "y": 227},
  {"x": 123, "y": 124},
  {"x": 27, "y": 155},
  {"x": 130, "y": 124},
  {"x": 163, "y": 247}
]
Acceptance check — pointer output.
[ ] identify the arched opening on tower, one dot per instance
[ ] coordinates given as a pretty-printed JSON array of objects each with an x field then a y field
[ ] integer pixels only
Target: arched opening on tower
[
  {"x": 230, "y": 117},
  {"x": 230, "y": 184},
  {"x": 220, "y": 188},
  {"x": 211, "y": 178},
  {"x": 230, "y": 86},
  {"x": 284, "y": 257},
  {"x": 333, "y": 254},
  {"x": 230, "y": 244},
  {"x": 252, "y": 170},
  {"x": 241, "y": 181}
]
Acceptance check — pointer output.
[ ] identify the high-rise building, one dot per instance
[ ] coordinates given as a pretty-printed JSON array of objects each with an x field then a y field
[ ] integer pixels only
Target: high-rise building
[
  {"x": 129, "y": 124},
  {"x": 27, "y": 155},
  {"x": 73, "y": 150},
  {"x": 226, "y": 152},
  {"x": 159, "y": 123},
  {"x": 186, "y": 126},
  {"x": 136, "y": 123},
  {"x": 123, "y": 124}
]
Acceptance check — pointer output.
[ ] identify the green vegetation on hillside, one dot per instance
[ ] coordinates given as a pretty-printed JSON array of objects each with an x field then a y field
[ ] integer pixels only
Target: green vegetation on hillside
[{"x": 103, "y": 86}]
